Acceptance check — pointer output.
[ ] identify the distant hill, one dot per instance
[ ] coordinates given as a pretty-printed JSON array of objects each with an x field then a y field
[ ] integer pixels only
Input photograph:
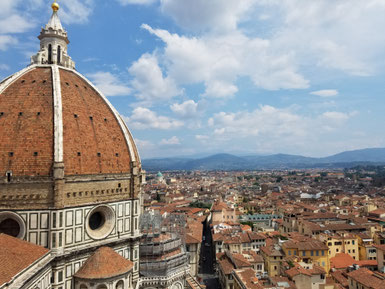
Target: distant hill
[{"x": 276, "y": 161}]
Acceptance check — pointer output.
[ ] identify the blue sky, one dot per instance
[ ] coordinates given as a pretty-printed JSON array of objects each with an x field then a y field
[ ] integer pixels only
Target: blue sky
[{"x": 212, "y": 76}]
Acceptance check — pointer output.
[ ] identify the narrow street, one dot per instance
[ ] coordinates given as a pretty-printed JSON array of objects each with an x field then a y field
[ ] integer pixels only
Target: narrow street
[{"x": 207, "y": 260}]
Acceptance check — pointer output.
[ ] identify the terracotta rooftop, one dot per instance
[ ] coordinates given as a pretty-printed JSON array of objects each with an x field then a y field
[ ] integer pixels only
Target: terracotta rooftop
[
  {"x": 16, "y": 255},
  {"x": 342, "y": 260},
  {"x": 298, "y": 270},
  {"x": 310, "y": 244},
  {"x": 340, "y": 277},
  {"x": 104, "y": 263},
  {"x": 247, "y": 278},
  {"x": 367, "y": 278}
]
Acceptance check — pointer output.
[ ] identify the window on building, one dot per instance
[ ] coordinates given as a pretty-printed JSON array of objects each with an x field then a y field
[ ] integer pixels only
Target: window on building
[
  {"x": 49, "y": 54},
  {"x": 60, "y": 276},
  {"x": 58, "y": 54},
  {"x": 323, "y": 253},
  {"x": 311, "y": 253},
  {"x": 120, "y": 285},
  {"x": 53, "y": 220},
  {"x": 303, "y": 253},
  {"x": 53, "y": 240},
  {"x": 353, "y": 242},
  {"x": 61, "y": 219}
]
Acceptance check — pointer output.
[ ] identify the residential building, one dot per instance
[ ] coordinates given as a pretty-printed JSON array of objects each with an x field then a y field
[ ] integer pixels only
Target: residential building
[
  {"x": 311, "y": 251},
  {"x": 311, "y": 277},
  {"x": 341, "y": 243},
  {"x": 273, "y": 257},
  {"x": 365, "y": 279}
]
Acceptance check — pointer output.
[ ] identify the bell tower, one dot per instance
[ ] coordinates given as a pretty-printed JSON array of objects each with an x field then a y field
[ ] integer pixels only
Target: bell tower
[{"x": 53, "y": 43}]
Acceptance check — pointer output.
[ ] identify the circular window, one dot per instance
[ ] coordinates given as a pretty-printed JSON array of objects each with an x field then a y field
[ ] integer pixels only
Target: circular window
[
  {"x": 12, "y": 224},
  {"x": 97, "y": 220},
  {"x": 100, "y": 222}
]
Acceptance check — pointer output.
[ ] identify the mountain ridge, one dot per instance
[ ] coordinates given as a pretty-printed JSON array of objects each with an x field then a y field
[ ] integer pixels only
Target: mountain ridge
[{"x": 225, "y": 161}]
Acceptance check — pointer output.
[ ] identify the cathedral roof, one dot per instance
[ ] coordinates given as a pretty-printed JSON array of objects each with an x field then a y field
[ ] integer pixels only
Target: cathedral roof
[
  {"x": 104, "y": 263},
  {"x": 17, "y": 255},
  {"x": 51, "y": 114}
]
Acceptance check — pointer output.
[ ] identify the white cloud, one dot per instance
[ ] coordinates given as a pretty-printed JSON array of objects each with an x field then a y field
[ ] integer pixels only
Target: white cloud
[
  {"x": 300, "y": 34},
  {"x": 138, "y": 2},
  {"x": 325, "y": 92},
  {"x": 144, "y": 118},
  {"x": 274, "y": 129},
  {"x": 15, "y": 24},
  {"x": 336, "y": 116},
  {"x": 144, "y": 145},
  {"x": 265, "y": 120},
  {"x": 76, "y": 11},
  {"x": 109, "y": 83},
  {"x": 201, "y": 137},
  {"x": 6, "y": 41},
  {"x": 149, "y": 83},
  {"x": 171, "y": 141},
  {"x": 217, "y": 15},
  {"x": 218, "y": 61},
  {"x": 341, "y": 35},
  {"x": 4, "y": 67},
  {"x": 187, "y": 109}
]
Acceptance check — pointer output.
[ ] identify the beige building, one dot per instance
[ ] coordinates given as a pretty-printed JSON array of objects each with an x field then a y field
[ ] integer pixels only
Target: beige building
[
  {"x": 220, "y": 212},
  {"x": 309, "y": 276},
  {"x": 380, "y": 257},
  {"x": 273, "y": 256},
  {"x": 341, "y": 243}
]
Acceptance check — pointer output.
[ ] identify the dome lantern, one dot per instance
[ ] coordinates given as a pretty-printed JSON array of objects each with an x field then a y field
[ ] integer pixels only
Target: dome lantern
[{"x": 53, "y": 43}]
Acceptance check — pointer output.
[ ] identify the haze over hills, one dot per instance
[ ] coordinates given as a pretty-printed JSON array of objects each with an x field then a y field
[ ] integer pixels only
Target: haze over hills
[{"x": 277, "y": 161}]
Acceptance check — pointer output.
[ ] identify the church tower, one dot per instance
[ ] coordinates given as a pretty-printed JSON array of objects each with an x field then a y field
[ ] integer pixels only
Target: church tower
[{"x": 70, "y": 172}]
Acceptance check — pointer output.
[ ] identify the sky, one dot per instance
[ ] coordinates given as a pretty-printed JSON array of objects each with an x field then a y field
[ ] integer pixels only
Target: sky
[{"x": 194, "y": 78}]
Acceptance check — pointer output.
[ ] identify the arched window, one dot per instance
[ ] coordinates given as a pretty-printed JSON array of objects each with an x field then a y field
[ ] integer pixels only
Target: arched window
[
  {"x": 120, "y": 285},
  {"x": 83, "y": 286},
  {"x": 49, "y": 54},
  {"x": 102, "y": 286},
  {"x": 58, "y": 54}
]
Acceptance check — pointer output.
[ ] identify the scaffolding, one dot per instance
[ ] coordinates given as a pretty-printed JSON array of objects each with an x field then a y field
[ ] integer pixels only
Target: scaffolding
[{"x": 162, "y": 247}]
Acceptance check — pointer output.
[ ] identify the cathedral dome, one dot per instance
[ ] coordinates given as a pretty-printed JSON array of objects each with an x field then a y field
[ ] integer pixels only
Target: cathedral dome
[
  {"x": 62, "y": 142},
  {"x": 51, "y": 114}
]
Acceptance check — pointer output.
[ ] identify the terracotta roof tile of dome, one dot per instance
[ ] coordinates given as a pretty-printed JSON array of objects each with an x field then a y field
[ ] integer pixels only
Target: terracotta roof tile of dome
[
  {"x": 77, "y": 126},
  {"x": 104, "y": 263}
]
